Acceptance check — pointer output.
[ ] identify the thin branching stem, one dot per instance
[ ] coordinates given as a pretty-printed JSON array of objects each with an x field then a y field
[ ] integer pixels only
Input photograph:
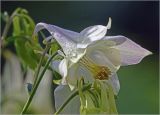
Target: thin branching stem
[
  {"x": 40, "y": 64},
  {"x": 37, "y": 84}
]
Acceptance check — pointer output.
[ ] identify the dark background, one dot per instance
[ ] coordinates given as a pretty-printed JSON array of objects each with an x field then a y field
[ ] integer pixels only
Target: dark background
[{"x": 138, "y": 21}]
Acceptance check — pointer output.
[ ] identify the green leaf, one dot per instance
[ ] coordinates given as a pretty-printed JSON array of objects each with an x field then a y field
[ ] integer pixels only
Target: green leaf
[
  {"x": 94, "y": 96},
  {"x": 112, "y": 103},
  {"x": 28, "y": 24},
  {"x": 23, "y": 27},
  {"x": 89, "y": 100},
  {"x": 25, "y": 53},
  {"x": 16, "y": 26},
  {"x": 82, "y": 97},
  {"x": 102, "y": 93},
  {"x": 104, "y": 99}
]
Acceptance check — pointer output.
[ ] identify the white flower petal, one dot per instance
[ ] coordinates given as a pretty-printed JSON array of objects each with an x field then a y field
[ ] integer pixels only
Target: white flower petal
[
  {"x": 72, "y": 76},
  {"x": 55, "y": 65},
  {"x": 52, "y": 28},
  {"x": 116, "y": 39},
  {"x": 114, "y": 56},
  {"x": 99, "y": 58},
  {"x": 63, "y": 70},
  {"x": 92, "y": 33},
  {"x": 61, "y": 93},
  {"x": 61, "y": 67},
  {"x": 114, "y": 81},
  {"x": 78, "y": 55},
  {"x": 103, "y": 54},
  {"x": 69, "y": 76},
  {"x": 67, "y": 39},
  {"x": 131, "y": 53},
  {"x": 77, "y": 71},
  {"x": 86, "y": 74}
]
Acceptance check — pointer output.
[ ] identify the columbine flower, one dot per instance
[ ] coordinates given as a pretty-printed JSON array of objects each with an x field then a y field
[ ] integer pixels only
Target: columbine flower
[{"x": 93, "y": 55}]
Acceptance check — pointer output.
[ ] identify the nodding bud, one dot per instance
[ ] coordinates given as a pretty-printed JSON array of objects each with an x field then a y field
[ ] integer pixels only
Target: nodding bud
[{"x": 29, "y": 87}]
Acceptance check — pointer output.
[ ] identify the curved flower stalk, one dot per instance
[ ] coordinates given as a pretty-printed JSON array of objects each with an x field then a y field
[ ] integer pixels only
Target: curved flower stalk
[
  {"x": 61, "y": 93},
  {"x": 92, "y": 55}
]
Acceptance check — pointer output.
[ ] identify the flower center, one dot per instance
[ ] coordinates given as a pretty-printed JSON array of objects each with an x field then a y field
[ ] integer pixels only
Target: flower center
[{"x": 99, "y": 72}]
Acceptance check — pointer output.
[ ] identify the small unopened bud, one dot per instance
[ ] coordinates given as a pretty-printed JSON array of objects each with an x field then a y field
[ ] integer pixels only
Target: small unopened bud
[{"x": 29, "y": 87}]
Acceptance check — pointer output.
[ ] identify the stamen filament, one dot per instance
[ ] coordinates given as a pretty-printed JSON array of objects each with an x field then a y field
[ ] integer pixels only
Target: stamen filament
[{"x": 99, "y": 72}]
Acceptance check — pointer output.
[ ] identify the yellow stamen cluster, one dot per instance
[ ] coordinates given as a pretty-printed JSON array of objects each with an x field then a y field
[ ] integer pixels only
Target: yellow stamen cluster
[{"x": 99, "y": 72}]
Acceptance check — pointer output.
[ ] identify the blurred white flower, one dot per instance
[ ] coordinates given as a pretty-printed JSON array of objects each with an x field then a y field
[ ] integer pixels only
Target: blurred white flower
[{"x": 13, "y": 88}]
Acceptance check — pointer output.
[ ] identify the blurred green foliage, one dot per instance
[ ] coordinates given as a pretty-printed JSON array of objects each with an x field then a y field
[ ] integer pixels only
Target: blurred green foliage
[
  {"x": 23, "y": 27},
  {"x": 28, "y": 52},
  {"x": 25, "y": 44}
]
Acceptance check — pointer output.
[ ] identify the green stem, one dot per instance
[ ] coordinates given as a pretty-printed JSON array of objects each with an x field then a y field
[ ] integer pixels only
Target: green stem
[
  {"x": 40, "y": 64},
  {"x": 86, "y": 87},
  {"x": 37, "y": 84}
]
